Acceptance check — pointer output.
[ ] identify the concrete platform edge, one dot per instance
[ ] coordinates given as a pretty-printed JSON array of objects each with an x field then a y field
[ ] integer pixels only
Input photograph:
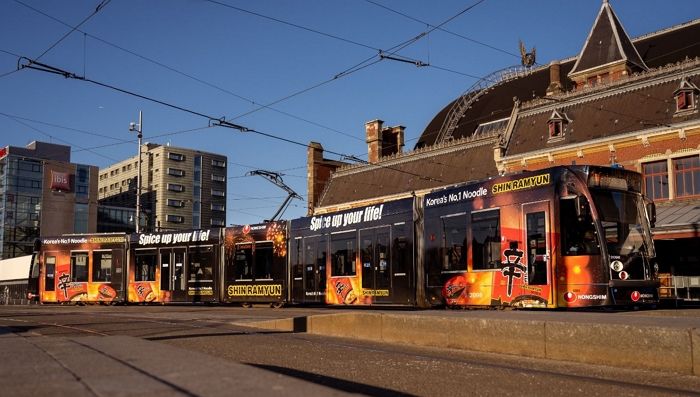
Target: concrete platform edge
[{"x": 618, "y": 345}]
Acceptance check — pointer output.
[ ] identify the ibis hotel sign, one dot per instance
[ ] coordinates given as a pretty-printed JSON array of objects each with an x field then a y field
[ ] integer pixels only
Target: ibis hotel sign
[{"x": 60, "y": 181}]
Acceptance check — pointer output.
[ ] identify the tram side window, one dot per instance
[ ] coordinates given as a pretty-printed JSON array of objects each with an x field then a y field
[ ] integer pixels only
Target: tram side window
[
  {"x": 50, "y": 281},
  {"x": 578, "y": 234},
  {"x": 117, "y": 258},
  {"x": 297, "y": 265},
  {"x": 201, "y": 264},
  {"x": 343, "y": 256},
  {"x": 401, "y": 250},
  {"x": 454, "y": 242},
  {"x": 486, "y": 240},
  {"x": 101, "y": 266},
  {"x": 263, "y": 260},
  {"x": 321, "y": 256},
  {"x": 243, "y": 262},
  {"x": 145, "y": 266},
  {"x": 79, "y": 267},
  {"x": 433, "y": 246}
]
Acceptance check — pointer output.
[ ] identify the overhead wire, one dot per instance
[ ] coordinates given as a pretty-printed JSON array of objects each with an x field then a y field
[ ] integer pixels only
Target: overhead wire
[
  {"x": 369, "y": 61},
  {"x": 99, "y": 7},
  {"x": 443, "y": 30},
  {"x": 225, "y": 123},
  {"x": 348, "y": 71},
  {"x": 91, "y": 133},
  {"x": 189, "y": 76},
  {"x": 33, "y": 64},
  {"x": 54, "y": 137},
  {"x": 293, "y": 25}
]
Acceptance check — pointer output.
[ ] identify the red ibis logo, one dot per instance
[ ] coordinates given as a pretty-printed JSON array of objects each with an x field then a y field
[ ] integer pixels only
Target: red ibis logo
[
  {"x": 635, "y": 296},
  {"x": 60, "y": 181},
  {"x": 570, "y": 297},
  {"x": 246, "y": 229}
]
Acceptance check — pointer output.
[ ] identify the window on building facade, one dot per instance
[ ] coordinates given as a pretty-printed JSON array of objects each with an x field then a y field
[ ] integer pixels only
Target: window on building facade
[
  {"x": 81, "y": 219},
  {"x": 686, "y": 96},
  {"x": 175, "y": 218},
  {"x": 592, "y": 81},
  {"x": 174, "y": 187},
  {"x": 218, "y": 178},
  {"x": 175, "y": 203},
  {"x": 218, "y": 193},
  {"x": 175, "y": 172},
  {"x": 217, "y": 222},
  {"x": 684, "y": 101},
  {"x": 176, "y": 156},
  {"x": 555, "y": 128},
  {"x": 218, "y": 163},
  {"x": 218, "y": 207},
  {"x": 656, "y": 180},
  {"x": 555, "y": 124},
  {"x": 687, "y": 176}
]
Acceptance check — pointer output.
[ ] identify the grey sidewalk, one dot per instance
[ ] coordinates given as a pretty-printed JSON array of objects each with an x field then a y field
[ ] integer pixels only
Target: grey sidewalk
[{"x": 124, "y": 366}]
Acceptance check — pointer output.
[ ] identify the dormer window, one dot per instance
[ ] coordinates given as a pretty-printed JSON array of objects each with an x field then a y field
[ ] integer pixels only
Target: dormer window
[
  {"x": 556, "y": 125},
  {"x": 686, "y": 97}
]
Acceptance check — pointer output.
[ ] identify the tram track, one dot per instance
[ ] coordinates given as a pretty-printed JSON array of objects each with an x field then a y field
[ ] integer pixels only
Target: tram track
[{"x": 215, "y": 336}]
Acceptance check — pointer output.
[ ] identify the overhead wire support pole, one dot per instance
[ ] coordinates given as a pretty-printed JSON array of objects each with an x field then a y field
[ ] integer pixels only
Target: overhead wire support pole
[{"x": 276, "y": 178}]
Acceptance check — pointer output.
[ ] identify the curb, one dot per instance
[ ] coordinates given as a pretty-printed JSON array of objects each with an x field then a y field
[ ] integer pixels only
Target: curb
[{"x": 663, "y": 349}]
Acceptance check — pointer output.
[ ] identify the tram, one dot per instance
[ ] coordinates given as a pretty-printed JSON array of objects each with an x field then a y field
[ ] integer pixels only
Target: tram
[{"x": 563, "y": 237}]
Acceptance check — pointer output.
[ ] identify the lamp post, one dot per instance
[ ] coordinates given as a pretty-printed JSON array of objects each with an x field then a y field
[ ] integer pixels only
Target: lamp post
[{"x": 138, "y": 128}]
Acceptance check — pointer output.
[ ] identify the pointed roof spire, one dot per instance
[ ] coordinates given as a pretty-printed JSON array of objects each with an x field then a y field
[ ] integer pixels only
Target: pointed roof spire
[{"x": 607, "y": 44}]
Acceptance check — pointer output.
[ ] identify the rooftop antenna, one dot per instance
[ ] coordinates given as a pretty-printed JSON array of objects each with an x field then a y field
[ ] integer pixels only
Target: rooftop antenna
[{"x": 276, "y": 178}]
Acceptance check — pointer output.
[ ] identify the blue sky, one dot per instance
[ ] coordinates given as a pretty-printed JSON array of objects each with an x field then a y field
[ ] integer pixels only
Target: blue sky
[{"x": 225, "y": 61}]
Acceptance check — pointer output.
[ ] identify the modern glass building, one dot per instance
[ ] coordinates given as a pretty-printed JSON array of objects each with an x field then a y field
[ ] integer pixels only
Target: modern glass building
[{"x": 43, "y": 194}]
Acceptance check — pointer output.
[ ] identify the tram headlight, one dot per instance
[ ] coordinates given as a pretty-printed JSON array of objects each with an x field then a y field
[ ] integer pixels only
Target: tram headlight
[{"x": 616, "y": 266}]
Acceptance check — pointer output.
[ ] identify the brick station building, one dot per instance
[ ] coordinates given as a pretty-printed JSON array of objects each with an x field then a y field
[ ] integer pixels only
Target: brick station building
[{"x": 620, "y": 101}]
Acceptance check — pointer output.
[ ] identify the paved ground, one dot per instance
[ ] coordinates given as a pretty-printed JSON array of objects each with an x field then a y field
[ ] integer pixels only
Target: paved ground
[{"x": 185, "y": 350}]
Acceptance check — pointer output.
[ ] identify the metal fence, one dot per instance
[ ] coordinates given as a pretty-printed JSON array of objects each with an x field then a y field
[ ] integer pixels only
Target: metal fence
[
  {"x": 13, "y": 293},
  {"x": 682, "y": 288}
]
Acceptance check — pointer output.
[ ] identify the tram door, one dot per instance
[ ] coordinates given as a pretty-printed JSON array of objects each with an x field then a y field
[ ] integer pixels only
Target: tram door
[
  {"x": 376, "y": 264},
  {"x": 48, "y": 294},
  {"x": 172, "y": 273},
  {"x": 538, "y": 244},
  {"x": 308, "y": 255}
]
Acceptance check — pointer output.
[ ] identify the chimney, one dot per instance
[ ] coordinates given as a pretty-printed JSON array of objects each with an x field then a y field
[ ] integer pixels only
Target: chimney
[
  {"x": 373, "y": 130},
  {"x": 314, "y": 156},
  {"x": 555, "y": 86},
  {"x": 392, "y": 140}
]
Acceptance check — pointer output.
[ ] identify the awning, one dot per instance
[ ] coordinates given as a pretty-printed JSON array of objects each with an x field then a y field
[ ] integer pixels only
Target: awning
[{"x": 677, "y": 219}]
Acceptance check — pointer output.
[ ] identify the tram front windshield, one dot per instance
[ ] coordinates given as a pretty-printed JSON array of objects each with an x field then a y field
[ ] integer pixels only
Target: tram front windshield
[{"x": 625, "y": 227}]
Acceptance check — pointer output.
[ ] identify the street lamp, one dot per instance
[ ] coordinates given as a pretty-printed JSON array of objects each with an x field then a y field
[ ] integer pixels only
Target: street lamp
[{"x": 138, "y": 128}]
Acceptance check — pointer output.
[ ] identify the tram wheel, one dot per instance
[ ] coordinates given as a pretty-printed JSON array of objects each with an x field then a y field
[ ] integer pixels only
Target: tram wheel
[
  {"x": 247, "y": 305},
  {"x": 276, "y": 305}
]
